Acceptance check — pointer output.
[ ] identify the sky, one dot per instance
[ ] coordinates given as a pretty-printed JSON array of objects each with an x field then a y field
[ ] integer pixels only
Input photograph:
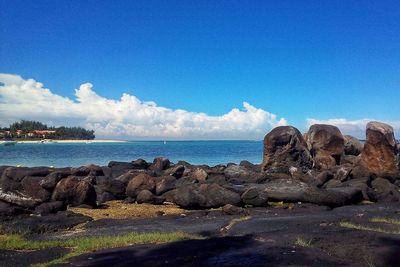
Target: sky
[{"x": 200, "y": 69}]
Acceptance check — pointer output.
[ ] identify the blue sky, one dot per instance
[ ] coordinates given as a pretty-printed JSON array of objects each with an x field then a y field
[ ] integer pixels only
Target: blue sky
[{"x": 297, "y": 59}]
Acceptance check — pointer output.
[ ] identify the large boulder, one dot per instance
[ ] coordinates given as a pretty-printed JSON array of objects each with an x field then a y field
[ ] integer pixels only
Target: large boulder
[
  {"x": 379, "y": 154},
  {"x": 164, "y": 184},
  {"x": 285, "y": 147},
  {"x": 32, "y": 188},
  {"x": 110, "y": 185},
  {"x": 326, "y": 145},
  {"x": 75, "y": 191},
  {"x": 140, "y": 182},
  {"x": 255, "y": 197},
  {"x": 290, "y": 190},
  {"x": 205, "y": 196},
  {"x": 352, "y": 146}
]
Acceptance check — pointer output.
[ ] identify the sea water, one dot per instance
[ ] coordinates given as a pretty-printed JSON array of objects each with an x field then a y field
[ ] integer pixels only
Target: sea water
[{"x": 79, "y": 154}]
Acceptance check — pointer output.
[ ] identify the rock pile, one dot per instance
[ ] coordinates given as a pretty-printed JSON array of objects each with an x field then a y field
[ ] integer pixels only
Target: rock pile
[{"x": 323, "y": 167}]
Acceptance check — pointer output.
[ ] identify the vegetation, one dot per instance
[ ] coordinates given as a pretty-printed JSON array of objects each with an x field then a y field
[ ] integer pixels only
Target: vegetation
[
  {"x": 32, "y": 130},
  {"x": 386, "y": 220},
  {"x": 117, "y": 209},
  {"x": 351, "y": 225},
  {"x": 301, "y": 242},
  {"x": 83, "y": 245}
]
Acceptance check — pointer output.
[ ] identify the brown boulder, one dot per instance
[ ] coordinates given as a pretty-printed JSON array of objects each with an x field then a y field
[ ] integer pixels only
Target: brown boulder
[
  {"x": 75, "y": 191},
  {"x": 379, "y": 154},
  {"x": 140, "y": 182},
  {"x": 284, "y": 147},
  {"x": 326, "y": 144}
]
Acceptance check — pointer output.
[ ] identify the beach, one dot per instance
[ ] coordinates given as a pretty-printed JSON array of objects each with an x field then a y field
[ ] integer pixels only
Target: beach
[{"x": 71, "y": 141}]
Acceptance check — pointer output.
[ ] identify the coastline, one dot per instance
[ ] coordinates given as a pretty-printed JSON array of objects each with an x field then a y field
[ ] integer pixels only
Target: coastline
[{"x": 71, "y": 141}]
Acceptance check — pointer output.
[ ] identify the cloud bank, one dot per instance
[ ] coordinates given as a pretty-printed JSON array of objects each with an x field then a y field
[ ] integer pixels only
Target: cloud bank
[
  {"x": 353, "y": 127},
  {"x": 128, "y": 117}
]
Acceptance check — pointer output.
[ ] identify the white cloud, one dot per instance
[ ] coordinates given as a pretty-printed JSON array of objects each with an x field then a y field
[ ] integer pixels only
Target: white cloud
[
  {"x": 353, "y": 127},
  {"x": 127, "y": 117}
]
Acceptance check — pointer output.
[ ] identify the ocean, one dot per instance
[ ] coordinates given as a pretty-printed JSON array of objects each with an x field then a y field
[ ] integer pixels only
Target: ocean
[{"x": 79, "y": 154}]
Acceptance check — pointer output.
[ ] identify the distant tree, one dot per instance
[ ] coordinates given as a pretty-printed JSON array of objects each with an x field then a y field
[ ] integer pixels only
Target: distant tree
[{"x": 27, "y": 126}]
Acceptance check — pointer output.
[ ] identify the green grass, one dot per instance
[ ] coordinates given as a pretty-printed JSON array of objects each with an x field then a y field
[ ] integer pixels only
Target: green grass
[
  {"x": 368, "y": 228},
  {"x": 385, "y": 220},
  {"x": 83, "y": 245},
  {"x": 301, "y": 242}
]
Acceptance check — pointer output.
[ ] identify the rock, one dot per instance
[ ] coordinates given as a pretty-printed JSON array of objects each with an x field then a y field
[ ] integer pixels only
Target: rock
[
  {"x": 284, "y": 147},
  {"x": 361, "y": 184},
  {"x": 322, "y": 178},
  {"x": 18, "y": 173},
  {"x": 103, "y": 197},
  {"x": 18, "y": 199},
  {"x": 75, "y": 191},
  {"x": 216, "y": 179},
  {"x": 92, "y": 170},
  {"x": 113, "y": 186},
  {"x": 145, "y": 196},
  {"x": 296, "y": 191},
  {"x": 119, "y": 168},
  {"x": 9, "y": 210},
  {"x": 49, "y": 207},
  {"x": 138, "y": 183},
  {"x": 342, "y": 173},
  {"x": 384, "y": 191},
  {"x": 164, "y": 184},
  {"x": 32, "y": 188},
  {"x": 176, "y": 171},
  {"x": 199, "y": 174},
  {"x": 332, "y": 183},
  {"x": 239, "y": 175},
  {"x": 348, "y": 159},
  {"x": 140, "y": 164},
  {"x": 255, "y": 197},
  {"x": 250, "y": 166},
  {"x": 378, "y": 156},
  {"x": 233, "y": 210},
  {"x": 160, "y": 164},
  {"x": 205, "y": 196},
  {"x": 326, "y": 145},
  {"x": 352, "y": 146},
  {"x": 51, "y": 180}
]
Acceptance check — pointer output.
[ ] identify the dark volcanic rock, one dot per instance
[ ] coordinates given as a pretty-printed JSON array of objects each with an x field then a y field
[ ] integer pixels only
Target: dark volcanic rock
[
  {"x": 296, "y": 191},
  {"x": 176, "y": 171},
  {"x": 384, "y": 191},
  {"x": 50, "y": 207},
  {"x": 352, "y": 146},
  {"x": 239, "y": 175},
  {"x": 32, "y": 188},
  {"x": 140, "y": 164},
  {"x": 160, "y": 164},
  {"x": 50, "y": 181},
  {"x": 145, "y": 196},
  {"x": 326, "y": 144},
  {"x": 233, "y": 210},
  {"x": 199, "y": 174},
  {"x": 284, "y": 147},
  {"x": 140, "y": 182},
  {"x": 205, "y": 196},
  {"x": 255, "y": 197},
  {"x": 75, "y": 191},
  {"x": 250, "y": 166},
  {"x": 113, "y": 186},
  {"x": 164, "y": 184},
  {"x": 378, "y": 156}
]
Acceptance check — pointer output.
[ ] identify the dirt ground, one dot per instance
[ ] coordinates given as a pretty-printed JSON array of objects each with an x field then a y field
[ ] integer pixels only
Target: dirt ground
[{"x": 299, "y": 235}]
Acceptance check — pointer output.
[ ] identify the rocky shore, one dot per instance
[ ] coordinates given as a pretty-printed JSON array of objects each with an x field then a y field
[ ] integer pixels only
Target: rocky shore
[
  {"x": 317, "y": 199},
  {"x": 321, "y": 167}
]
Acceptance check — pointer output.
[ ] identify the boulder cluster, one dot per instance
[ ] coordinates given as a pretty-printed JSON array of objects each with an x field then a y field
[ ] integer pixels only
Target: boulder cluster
[{"x": 321, "y": 166}]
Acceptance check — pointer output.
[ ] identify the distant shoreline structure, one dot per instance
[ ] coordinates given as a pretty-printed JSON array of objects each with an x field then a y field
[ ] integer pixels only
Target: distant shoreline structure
[{"x": 71, "y": 141}]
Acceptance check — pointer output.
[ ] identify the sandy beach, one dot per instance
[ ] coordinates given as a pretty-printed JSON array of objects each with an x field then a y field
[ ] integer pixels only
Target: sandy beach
[{"x": 71, "y": 141}]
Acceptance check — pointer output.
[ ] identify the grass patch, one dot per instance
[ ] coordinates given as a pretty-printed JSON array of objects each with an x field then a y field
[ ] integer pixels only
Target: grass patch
[
  {"x": 385, "y": 220},
  {"x": 117, "y": 209},
  {"x": 368, "y": 228},
  {"x": 83, "y": 245},
  {"x": 301, "y": 242}
]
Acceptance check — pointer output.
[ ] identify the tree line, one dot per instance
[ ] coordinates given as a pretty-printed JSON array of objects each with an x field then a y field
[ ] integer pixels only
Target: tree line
[{"x": 25, "y": 129}]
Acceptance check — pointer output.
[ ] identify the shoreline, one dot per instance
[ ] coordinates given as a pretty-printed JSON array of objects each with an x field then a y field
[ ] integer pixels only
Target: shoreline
[{"x": 70, "y": 141}]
